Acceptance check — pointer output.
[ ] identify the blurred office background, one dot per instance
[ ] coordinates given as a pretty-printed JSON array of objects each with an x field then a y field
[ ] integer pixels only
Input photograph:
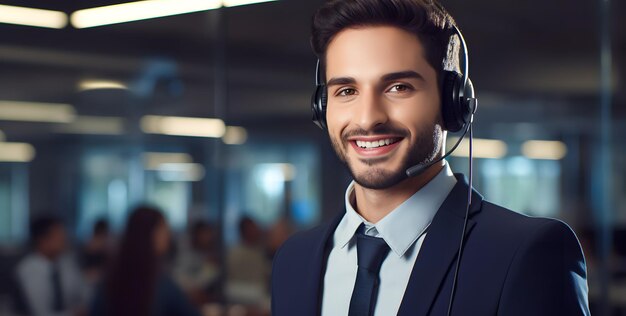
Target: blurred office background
[{"x": 206, "y": 116}]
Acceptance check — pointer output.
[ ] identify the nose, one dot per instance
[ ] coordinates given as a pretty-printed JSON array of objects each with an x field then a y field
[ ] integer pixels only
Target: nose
[{"x": 371, "y": 112}]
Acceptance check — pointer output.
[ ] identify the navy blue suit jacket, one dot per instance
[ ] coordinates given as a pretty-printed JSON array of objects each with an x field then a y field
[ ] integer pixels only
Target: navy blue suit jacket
[{"x": 511, "y": 265}]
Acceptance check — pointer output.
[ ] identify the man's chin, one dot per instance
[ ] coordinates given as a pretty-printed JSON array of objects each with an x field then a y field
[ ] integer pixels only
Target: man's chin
[{"x": 378, "y": 178}]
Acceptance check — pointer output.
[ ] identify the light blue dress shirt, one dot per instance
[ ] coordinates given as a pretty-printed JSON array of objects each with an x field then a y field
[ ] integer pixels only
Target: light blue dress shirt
[
  {"x": 34, "y": 276},
  {"x": 403, "y": 229}
]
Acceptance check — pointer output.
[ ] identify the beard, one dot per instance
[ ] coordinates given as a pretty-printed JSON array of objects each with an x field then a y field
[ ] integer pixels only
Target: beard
[{"x": 427, "y": 145}]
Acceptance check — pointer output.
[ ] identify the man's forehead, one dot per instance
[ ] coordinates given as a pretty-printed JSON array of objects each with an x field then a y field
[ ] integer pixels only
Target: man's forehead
[{"x": 374, "y": 52}]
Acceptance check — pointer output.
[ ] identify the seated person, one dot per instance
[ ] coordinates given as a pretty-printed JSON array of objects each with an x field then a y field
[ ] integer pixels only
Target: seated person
[
  {"x": 49, "y": 281},
  {"x": 197, "y": 267}
]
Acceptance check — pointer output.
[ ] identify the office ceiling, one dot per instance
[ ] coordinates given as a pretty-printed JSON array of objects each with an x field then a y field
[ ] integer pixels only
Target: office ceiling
[{"x": 531, "y": 61}]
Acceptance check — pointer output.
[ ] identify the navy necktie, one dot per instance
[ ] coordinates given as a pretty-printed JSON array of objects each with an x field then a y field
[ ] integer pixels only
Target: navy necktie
[
  {"x": 371, "y": 252},
  {"x": 57, "y": 289}
]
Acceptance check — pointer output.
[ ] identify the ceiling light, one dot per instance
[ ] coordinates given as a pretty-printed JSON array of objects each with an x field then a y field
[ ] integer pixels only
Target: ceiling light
[
  {"x": 148, "y": 9},
  {"x": 16, "y": 152},
  {"x": 482, "y": 148},
  {"x": 544, "y": 149},
  {"x": 154, "y": 160},
  {"x": 93, "y": 125},
  {"x": 85, "y": 85},
  {"x": 32, "y": 17},
  {"x": 183, "y": 126},
  {"x": 235, "y": 135},
  {"x": 184, "y": 172},
  {"x": 36, "y": 112},
  {"x": 138, "y": 10},
  {"x": 234, "y": 3}
]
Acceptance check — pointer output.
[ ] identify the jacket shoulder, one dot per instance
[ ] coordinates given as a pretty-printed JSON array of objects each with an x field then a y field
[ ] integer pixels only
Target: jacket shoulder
[
  {"x": 295, "y": 262},
  {"x": 300, "y": 245},
  {"x": 508, "y": 222},
  {"x": 546, "y": 271}
]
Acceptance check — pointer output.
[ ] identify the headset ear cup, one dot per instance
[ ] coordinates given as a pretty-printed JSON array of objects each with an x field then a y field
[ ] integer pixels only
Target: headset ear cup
[
  {"x": 454, "y": 107},
  {"x": 318, "y": 106},
  {"x": 323, "y": 104},
  {"x": 448, "y": 92}
]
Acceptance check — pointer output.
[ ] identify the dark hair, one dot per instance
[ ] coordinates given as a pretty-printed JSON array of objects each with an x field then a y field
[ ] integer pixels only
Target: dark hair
[
  {"x": 196, "y": 228},
  {"x": 101, "y": 227},
  {"x": 41, "y": 226},
  {"x": 244, "y": 223},
  {"x": 131, "y": 281},
  {"x": 427, "y": 19}
]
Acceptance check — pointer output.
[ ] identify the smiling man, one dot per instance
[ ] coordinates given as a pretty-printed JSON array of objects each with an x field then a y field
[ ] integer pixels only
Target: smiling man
[{"x": 388, "y": 75}]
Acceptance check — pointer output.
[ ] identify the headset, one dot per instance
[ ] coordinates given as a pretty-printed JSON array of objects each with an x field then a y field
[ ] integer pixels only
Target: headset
[{"x": 458, "y": 106}]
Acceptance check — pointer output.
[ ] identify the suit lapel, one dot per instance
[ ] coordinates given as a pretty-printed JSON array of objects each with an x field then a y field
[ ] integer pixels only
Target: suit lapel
[
  {"x": 315, "y": 278},
  {"x": 439, "y": 250}
]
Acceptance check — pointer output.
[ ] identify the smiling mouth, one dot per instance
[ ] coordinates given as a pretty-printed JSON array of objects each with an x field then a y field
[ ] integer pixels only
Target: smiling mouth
[{"x": 376, "y": 143}]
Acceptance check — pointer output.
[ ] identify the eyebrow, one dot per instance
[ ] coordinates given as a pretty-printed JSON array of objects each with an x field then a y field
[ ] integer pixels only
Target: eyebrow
[
  {"x": 386, "y": 78},
  {"x": 408, "y": 74},
  {"x": 340, "y": 81}
]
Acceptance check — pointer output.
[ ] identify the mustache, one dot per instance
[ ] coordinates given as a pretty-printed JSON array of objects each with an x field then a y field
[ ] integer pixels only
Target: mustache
[{"x": 378, "y": 130}]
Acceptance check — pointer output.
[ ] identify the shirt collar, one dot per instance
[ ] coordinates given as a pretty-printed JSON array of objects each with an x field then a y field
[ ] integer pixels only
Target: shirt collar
[{"x": 407, "y": 222}]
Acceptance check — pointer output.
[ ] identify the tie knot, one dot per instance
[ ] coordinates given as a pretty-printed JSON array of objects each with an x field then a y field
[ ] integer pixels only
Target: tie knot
[{"x": 371, "y": 252}]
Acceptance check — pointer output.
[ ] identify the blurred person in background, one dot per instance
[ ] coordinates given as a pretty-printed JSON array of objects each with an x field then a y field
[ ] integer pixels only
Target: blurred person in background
[
  {"x": 197, "y": 267},
  {"x": 49, "y": 280},
  {"x": 136, "y": 284},
  {"x": 248, "y": 268},
  {"x": 96, "y": 252}
]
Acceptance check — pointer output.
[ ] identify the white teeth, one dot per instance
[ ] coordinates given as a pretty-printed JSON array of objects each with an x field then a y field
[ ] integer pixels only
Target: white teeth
[{"x": 374, "y": 144}]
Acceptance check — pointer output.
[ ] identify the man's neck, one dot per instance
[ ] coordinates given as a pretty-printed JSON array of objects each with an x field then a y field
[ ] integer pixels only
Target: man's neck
[{"x": 374, "y": 205}]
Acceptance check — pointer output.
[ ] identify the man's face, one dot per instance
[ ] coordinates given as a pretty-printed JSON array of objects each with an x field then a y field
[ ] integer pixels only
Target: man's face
[
  {"x": 55, "y": 241},
  {"x": 383, "y": 111}
]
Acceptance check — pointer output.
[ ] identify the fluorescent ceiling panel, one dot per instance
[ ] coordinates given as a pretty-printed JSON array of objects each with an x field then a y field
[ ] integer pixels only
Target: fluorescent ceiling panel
[
  {"x": 234, "y": 3},
  {"x": 154, "y": 160},
  {"x": 36, "y": 112},
  {"x": 85, "y": 85},
  {"x": 93, "y": 125},
  {"x": 544, "y": 149},
  {"x": 32, "y": 17},
  {"x": 482, "y": 148},
  {"x": 235, "y": 135},
  {"x": 148, "y": 9},
  {"x": 16, "y": 152},
  {"x": 183, "y": 126},
  {"x": 139, "y": 10},
  {"x": 181, "y": 172}
]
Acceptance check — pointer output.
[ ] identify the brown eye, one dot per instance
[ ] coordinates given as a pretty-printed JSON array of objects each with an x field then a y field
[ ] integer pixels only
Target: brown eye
[
  {"x": 399, "y": 88},
  {"x": 346, "y": 92}
]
